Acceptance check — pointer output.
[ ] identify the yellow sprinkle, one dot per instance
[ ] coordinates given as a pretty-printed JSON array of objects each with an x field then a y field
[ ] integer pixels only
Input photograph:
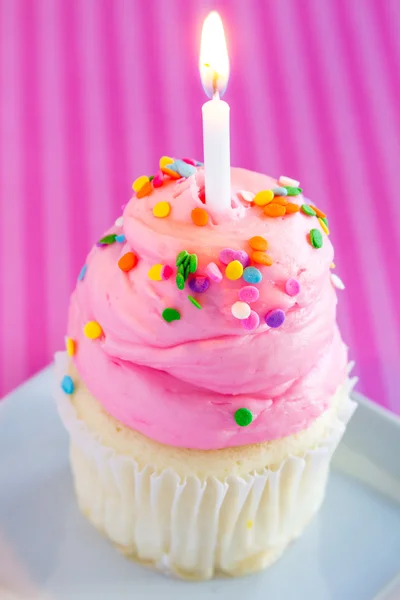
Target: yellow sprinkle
[
  {"x": 323, "y": 225},
  {"x": 234, "y": 270},
  {"x": 332, "y": 265},
  {"x": 263, "y": 198},
  {"x": 139, "y": 183},
  {"x": 161, "y": 209},
  {"x": 92, "y": 330},
  {"x": 155, "y": 273},
  {"x": 165, "y": 160},
  {"x": 249, "y": 524},
  {"x": 70, "y": 346}
]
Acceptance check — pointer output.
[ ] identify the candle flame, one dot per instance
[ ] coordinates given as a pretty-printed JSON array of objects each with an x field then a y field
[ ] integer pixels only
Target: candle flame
[{"x": 214, "y": 60}]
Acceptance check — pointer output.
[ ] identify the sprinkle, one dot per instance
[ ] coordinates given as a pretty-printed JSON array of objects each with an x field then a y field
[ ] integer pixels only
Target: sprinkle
[
  {"x": 243, "y": 417},
  {"x": 155, "y": 272},
  {"x": 199, "y": 163},
  {"x": 288, "y": 182},
  {"x": 275, "y": 318},
  {"x": 128, "y": 261},
  {"x": 187, "y": 270},
  {"x": 166, "y": 272},
  {"x": 139, "y": 183},
  {"x": 292, "y": 287},
  {"x": 241, "y": 310},
  {"x": 227, "y": 255},
  {"x": 120, "y": 238},
  {"x": 293, "y": 191},
  {"x": 323, "y": 226},
  {"x": 249, "y": 524},
  {"x": 252, "y": 275},
  {"x": 151, "y": 177},
  {"x": 281, "y": 200},
  {"x": 246, "y": 196},
  {"x": 214, "y": 273},
  {"x": 318, "y": 212},
  {"x": 70, "y": 346},
  {"x": 292, "y": 208},
  {"x": 189, "y": 161},
  {"x": 181, "y": 257},
  {"x": 198, "y": 285},
  {"x": 274, "y": 210},
  {"x": 107, "y": 239},
  {"x": 182, "y": 168},
  {"x": 337, "y": 282},
  {"x": 261, "y": 258},
  {"x": 258, "y": 243},
  {"x": 180, "y": 281},
  {"x": 199, "y": 217},
  {"x": 316, "y": 238},
  {"x": 119, "y": 222},
  {"x": 249, "y": 294},
  {"x": 279, "y": 191},
  {"x": 264, "y": 197},
  {"x": 181, "y": 269},
  {"x": 234, "y": 270},
  {"x": 165, "y": 161},
  {"x": 145, "y": 190},
  {"x": 82, "y": 273},
  {"x": 307, "y": 210},
  {"x": 193, "y": 263},
  {"x": 325, "y": 220},
  {"x": 242, "y": 257},
  {"x": 92, "y": 330},
  {"x": 332, "y": 265},
  {"x": 67, "y": 385},
  {"x": 194, "y": 302},
  {"x": 161, "y": 209},
  {"x": 252, "y": 321},
  {"x": 170, "y": 314}
]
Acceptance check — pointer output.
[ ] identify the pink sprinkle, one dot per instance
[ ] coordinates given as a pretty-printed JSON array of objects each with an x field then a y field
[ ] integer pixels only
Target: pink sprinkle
[
  {"x": 292, "y": 287},
  {"x": 213, "y": 272},
  {"x": 189, "y": 161},
  {"x": 249, "y": 293},
  {"x": 242, "y": 257},
  {"x": 252, "y": 321},
  {"x": 158, "y": 179},
  {"x": 166, "y": 272},
  {"x": 227, "y": 255}
]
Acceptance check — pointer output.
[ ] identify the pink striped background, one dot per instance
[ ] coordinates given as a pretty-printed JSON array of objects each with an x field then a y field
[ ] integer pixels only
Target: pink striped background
[{"x": 93, "y": 92}]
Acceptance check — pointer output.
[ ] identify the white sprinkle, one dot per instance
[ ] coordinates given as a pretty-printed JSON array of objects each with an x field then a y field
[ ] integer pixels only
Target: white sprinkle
[
  {"x": 119, "y": 222},
  {"x": 337, "y": 282},
  {"x": 241, "y": 310},
  {"x": 283, "y": 180},
  {"x": 279, "y": 191},
  {"x": 246, "y": 196}
]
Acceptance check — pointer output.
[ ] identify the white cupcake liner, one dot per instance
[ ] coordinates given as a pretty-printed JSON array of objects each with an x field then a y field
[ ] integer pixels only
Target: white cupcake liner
[{"x": 197, "y": 527}]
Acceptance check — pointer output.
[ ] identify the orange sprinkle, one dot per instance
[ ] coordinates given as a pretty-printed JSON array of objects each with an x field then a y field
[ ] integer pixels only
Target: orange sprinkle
[
  {"x": 319, "y": 212},
  {"x": 292, "y": 208},
  {"x": 262, "y": 259},
  {"x": 258, "y": 243},
  {"x": 145, "y": 190},
  {"x": 199, "y": 217},
  {"x": 127, "y": 261},
  {"x": 274, "y": 210},
  {"x": 280, "y": 200}
]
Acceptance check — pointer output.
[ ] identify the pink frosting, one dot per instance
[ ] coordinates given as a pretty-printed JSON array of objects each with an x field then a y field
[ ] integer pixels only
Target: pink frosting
[{"x": 181, "y": 383}]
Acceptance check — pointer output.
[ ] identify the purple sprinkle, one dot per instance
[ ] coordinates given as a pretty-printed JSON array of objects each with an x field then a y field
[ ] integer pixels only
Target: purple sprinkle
[
  {"x": 227, "y": 255},
  {"x": 292, "y": 287},
  {"x": 166, "y": 272},
  {"x": 252, "y": 321},
  {"x": 274, "y": 318},
  {"x": 249, "y": 293},
  {"x": 199, "y": 284},
  {"x": 242, "y": 257}
]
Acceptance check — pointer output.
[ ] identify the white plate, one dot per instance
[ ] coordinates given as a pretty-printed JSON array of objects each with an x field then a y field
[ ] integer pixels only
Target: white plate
[{"x": 351, "y": 551}]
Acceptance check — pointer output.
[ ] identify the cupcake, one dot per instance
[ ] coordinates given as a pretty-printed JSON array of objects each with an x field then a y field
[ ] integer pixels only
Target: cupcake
[{"x": 205, "y": 383}]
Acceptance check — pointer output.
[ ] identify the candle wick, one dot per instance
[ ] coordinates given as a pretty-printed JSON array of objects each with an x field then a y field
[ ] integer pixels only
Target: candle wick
[{"x": 215, "y": 86}]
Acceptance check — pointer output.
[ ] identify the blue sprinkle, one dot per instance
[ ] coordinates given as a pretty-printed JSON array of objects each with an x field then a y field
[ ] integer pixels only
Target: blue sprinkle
[
  {"x": 67, "y": 385},
  {"x": 120, "y": 238},
  {"x": 182, "y": 168},
  {"x": 252, "y": 275},
  {"x": 82, "y": 273},
  {"x": 199, "y": 164},
  {"x": 279, "y": 191}
]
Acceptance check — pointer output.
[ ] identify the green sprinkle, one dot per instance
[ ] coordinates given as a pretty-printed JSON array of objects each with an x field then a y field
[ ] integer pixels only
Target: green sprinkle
[
  {"x": 194, "y": 302},
  {"x": 170, "y": 314},
  {"x": 325, "y": 220},
  {"x": 316, "y": 238},
  {"x": 151, "y": 177},
  {"x": 181, "y": 270},
  {"x": 180, "y": 281},
  {"x": 292, "y": 191},
  {"x": 243, "y": 417},
  {"x": 181, "y": 257},
  {"x": 108, "y": 239},
  {"x": 193, "y": 263},
  {"x": 187, "y": 271},
  {"x": 307, "y": 210}
]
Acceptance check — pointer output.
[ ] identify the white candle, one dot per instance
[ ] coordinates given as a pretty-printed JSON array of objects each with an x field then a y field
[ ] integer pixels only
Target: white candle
[{"x": 214, "y": 71}]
